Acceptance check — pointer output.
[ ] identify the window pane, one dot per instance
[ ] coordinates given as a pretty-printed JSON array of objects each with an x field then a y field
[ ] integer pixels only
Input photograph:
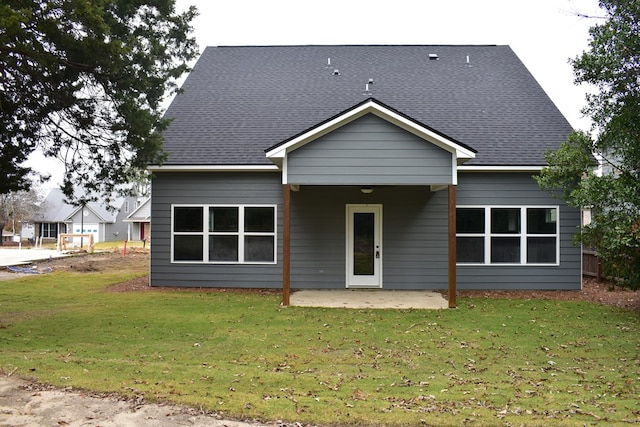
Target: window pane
[
  {"x": 187, "y": 219},
  {"x": 50, "y": 230},
  {"x": 363, "y": 243},
  {"x": 541, "y": 220},
  {"x": 258, "y": 219},
  {"x": 187, "y": 248},
  {"x": 470, "y": 220},
  {"x": 258, "y": 248},
  {"x": 505, "y": 220},
  {"x": 505, "y": 249},
  {"x": 541, "y": 250},
  {"x": 223, "y": 248},
  {"x": 223, "y": 219},
  {"x": 470, "y": 249}
]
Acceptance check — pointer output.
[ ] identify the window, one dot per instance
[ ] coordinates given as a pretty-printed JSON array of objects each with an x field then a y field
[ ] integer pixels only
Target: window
[
  {"x": 49, "y": 230},
  {"x": 507, "y": 235},
  {"x": 224, "y": 234}
]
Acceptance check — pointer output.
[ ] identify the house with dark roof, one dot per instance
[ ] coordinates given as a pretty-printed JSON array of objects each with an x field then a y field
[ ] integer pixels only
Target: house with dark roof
[{"x": 388, "y": 167}]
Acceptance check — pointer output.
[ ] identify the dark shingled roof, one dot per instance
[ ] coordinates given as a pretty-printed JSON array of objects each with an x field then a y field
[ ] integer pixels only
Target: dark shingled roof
[{"x": 239, "y": 101}]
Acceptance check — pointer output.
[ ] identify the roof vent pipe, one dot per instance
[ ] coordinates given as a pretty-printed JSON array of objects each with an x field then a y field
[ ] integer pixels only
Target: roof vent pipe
[{"x": 328, "y": 63}]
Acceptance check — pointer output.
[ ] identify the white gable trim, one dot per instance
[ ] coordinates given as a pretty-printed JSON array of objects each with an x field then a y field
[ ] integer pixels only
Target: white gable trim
[
  {"x": 133, "y": 216},
  {"x": 370, "y": 107},
  {"x": 73, "y": 213}
]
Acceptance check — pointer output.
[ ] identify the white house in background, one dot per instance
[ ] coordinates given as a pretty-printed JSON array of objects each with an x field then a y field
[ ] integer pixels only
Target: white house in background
[{"x": 57, "y": 216}]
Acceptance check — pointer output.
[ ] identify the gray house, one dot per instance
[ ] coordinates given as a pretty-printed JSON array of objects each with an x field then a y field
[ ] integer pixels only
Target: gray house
[
  {"x": 332, "y": 167},
  {"x": 56, "y": 217}
]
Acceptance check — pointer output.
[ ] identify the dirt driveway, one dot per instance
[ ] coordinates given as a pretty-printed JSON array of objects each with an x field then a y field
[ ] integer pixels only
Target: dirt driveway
[{"x": 23, "y": 403}]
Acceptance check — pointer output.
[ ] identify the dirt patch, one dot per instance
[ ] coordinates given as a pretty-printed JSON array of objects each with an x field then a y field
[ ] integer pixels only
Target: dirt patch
[
  {"x": 24, "y": 403},
  {"x": 592, "y": 290},
  {"x": 107, "y": 261}
]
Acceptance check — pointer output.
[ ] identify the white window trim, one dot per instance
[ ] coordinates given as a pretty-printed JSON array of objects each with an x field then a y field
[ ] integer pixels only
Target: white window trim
[
  {"x": 205, "y": 233},
  {"x": 523, "y": 235}
]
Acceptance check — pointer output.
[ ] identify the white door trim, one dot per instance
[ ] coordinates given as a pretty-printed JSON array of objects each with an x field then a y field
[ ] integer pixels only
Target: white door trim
[{"x": 364, "y": 281}]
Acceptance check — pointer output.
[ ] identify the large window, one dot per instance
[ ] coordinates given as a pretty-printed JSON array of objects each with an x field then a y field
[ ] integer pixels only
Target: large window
[
  {"x": 224, "y": 234},
  {"x": 507, "y": 235}
]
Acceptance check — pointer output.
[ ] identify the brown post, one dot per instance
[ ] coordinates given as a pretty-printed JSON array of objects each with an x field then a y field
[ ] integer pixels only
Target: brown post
[
  {"x": 452, "y": 246},
  {"x": 286, "y": 244}
]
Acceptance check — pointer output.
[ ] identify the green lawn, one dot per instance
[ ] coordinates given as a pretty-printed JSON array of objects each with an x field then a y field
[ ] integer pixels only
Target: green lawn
[{"x": 505, "y": 362}]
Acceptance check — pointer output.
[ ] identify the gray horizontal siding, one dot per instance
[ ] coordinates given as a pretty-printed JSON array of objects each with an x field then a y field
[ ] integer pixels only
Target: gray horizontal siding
[
  {"x": 520, "y": 189},
  {"x": 214, "y": 188},
  {"x": 414, "y": 233},
  {"x": 369, "y": 151},
  {"x": 414, "y": 242}
]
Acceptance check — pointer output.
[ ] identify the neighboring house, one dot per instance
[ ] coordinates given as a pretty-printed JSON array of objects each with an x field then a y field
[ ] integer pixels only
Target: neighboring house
[
  {"x": 332, "y": 167},
  {"x": 140, "y": 221},
  {"x": 57, "y": 217}
]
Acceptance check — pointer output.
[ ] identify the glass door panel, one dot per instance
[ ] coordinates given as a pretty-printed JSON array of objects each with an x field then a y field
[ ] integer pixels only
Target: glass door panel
[
  {"x": 363, "y": 243},
  {"x": 364, "y": 246}
]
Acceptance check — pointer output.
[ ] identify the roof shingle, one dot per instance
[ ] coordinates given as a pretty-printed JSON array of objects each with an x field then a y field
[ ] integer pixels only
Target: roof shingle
[{"x": 239, "y": 101}]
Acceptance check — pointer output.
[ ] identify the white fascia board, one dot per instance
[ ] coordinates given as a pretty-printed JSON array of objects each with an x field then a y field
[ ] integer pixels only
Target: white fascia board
[
  {"x": 281, "y": 151},
  {"x": 500, "y": 168},
  {"x": 88, "y": 208},
  {"x": 422, "y": 132},
  {"x": 138, "y": 209},
  {"x": 214, "y": 168},
  {"x": 146, "y": 219},
  {"x": 382, "y": 112}
]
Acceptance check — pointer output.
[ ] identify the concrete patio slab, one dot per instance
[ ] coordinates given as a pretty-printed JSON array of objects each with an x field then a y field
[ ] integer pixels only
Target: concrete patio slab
[{"x": 368, "y": 298}]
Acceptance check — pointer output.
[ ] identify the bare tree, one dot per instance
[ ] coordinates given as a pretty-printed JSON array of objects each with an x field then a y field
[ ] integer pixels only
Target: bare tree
[{"x": 18, "y": 207}]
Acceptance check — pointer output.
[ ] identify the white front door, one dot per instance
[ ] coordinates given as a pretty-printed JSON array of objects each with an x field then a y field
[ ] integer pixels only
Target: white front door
[{"x": 364, "y": 246}]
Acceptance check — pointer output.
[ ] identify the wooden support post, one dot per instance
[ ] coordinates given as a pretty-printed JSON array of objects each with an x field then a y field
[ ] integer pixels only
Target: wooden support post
[
  {"x": 452, "y": 246},
  {"x": 286, "y": 244},
  {"x": 61, "y": 245}
]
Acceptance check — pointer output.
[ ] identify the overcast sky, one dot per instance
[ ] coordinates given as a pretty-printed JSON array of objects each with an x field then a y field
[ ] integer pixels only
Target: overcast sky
[{"x": 543, "y": 33}]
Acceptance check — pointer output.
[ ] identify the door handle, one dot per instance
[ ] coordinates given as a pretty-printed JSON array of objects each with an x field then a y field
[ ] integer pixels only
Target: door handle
[{"x": 377, "y": 252}]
